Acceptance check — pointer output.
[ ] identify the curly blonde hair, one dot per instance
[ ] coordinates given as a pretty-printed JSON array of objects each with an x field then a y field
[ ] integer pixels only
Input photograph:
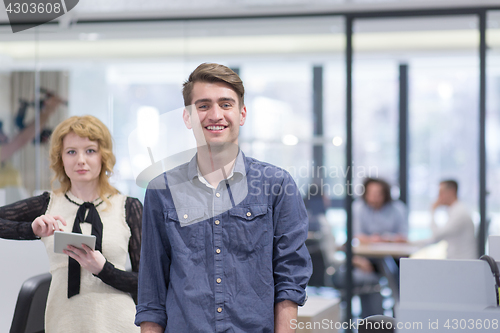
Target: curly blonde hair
[{"x": 86, "y": 127}]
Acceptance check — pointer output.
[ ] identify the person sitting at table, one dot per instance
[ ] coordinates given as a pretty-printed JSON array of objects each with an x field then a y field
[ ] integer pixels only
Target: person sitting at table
[
  {"x": 378, "y": 218},
  {"x": 458, "y": 230}
]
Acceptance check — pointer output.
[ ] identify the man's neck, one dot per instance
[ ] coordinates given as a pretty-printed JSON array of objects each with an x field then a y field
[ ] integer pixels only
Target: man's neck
[{"x": 216, "y": 163}]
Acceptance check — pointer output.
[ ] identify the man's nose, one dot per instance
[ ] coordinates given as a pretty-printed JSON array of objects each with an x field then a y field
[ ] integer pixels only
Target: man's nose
[{"x": 215, "y": 113}]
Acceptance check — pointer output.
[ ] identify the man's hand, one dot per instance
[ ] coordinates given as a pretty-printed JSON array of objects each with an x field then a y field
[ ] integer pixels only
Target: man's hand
[
  {"x": 149, "y": 327},
  {"x": 284, "y": 313},
  {"x": 436, "y": 204}
]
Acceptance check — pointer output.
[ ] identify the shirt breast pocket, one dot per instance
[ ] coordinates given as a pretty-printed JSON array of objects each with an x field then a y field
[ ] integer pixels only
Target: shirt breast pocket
[
  {"x": 185, "y": 229},
  {"x": 248, "y": 230}
]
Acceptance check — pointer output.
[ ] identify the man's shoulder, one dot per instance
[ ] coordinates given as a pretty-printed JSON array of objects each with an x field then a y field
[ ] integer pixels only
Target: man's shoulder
[
  {"x": 460, "y": 208},
  {"x": 265, "y": 168},
  {"x": 170, "y": 177}
]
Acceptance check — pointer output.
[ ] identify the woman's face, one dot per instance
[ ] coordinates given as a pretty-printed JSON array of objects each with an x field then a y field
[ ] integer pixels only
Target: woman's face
[{"x": 81, "y": 159}]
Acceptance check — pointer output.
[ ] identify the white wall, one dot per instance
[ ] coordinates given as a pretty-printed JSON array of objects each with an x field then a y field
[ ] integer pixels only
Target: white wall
[{"x": 19, "y": 260}]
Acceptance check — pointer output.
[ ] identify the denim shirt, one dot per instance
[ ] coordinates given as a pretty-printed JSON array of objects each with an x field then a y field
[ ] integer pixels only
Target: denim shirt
[{"x": 218, "y": 260}]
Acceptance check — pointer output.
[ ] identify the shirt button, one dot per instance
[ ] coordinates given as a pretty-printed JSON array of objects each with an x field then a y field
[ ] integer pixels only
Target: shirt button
[
  {"x": 249, "y": 214},
  {"x": 185, "y": 216},
  {"x": 217, "y": 195},
  {"x": 217, "y": 251},
  {"x": 219, "y": 280},
  {"x": 217, "y": 222},
  {"x": 219, "y": 310}
]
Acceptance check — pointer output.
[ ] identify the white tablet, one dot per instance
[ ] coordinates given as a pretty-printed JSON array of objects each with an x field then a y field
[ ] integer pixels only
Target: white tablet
[{"x": 63, "y": 239}]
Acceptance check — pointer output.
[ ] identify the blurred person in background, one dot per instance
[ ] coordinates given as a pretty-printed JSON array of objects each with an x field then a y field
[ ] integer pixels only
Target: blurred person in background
[
  {"x": 378, "y": 218},
  {"x": 458, "y": 231}
]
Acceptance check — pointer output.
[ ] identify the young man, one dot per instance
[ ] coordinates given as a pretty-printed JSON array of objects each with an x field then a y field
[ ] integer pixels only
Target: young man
[
  {"x": 223, "y": 235},
  {"x": 459, "y": 229}
]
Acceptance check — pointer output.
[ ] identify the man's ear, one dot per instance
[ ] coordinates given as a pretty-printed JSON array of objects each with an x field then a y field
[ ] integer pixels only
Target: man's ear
[
  {"x": 186, "y": 116},
  {"x": 243, "y": 116}
]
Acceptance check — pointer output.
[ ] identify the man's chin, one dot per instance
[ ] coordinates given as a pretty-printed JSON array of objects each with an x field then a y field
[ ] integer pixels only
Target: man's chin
[
  {"x": 217, "y": 143},
  {"x": 221, "y": 145}
]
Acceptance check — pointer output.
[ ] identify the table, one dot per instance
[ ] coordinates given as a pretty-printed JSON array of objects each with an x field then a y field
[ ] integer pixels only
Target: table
[
  {"x": 319, "y": 314},
  {"x": 386, "y": 253},
  {"x": 384, "y": 249}
]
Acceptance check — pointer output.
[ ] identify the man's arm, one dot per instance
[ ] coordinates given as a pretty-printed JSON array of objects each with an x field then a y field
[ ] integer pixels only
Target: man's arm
[
  {"x": 284, "y": 313},
  {"x": 454, "y": 225},
  {"x": 149, "y": 327},
  {"x": 154, "y": 268},
  {"x": 292, "y": 265}
]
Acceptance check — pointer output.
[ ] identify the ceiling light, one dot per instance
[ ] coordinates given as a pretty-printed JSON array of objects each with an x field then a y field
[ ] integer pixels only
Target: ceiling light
[{"x": 290, "y": 140}]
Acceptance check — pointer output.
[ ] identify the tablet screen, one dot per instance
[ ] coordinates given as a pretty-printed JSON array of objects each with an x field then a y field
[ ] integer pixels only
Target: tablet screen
[{"x": 63, "y": 239}]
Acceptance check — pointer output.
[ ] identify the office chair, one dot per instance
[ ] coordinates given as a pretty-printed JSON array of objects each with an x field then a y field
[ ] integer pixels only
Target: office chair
[
  {"x": 30, "y": 307},
  {"x": 318, "y": 261},
  {"x": 377, "y": 324}
]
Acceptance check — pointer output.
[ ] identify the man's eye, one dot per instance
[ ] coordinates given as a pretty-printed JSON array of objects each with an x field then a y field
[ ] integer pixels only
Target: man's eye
[
  {"x": 203, "y": 107},
  {"x": 226, "y": 105}
]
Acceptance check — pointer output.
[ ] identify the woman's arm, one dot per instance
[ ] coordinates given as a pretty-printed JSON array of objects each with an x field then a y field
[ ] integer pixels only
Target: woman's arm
[
  {"x": 122, "y": 280},
  {"x": 16, "y": 219}
]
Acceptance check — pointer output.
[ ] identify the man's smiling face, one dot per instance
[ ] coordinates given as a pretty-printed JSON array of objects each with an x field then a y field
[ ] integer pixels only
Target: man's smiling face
[{"x": 216, "y": 115}]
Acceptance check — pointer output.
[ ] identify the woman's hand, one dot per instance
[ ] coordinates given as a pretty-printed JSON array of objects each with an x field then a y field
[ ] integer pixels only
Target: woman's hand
[
  {"x": 91, "y": 260},
  {"x": 45, "y": 225}
]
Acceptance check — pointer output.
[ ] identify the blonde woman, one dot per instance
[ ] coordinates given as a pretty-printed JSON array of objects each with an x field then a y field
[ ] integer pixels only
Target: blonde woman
[{"x": 90, "y": 289}]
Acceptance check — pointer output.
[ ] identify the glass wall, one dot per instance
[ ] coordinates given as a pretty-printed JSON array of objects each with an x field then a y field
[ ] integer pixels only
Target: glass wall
[
  {"x": 441, "y": 54},
  {"x": 493, "y": 121},
  {"x": 115, "y": 71}
]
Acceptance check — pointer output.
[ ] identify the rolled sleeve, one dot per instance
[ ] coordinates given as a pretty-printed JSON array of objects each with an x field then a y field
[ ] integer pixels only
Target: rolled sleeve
[
  {"x": 291, "y": 260},
  {"x": 155, "y": 258}
]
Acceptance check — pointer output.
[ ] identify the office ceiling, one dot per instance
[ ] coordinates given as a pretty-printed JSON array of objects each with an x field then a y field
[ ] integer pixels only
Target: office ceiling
[
  {"x": 248, "y": 36},
  {"x": 133, "y": 9},
  {"x": 88, "y": 8}
]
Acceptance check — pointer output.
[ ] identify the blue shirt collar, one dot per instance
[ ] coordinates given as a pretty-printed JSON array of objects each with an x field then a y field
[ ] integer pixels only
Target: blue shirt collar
[{"x": 239, "y": 166}]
